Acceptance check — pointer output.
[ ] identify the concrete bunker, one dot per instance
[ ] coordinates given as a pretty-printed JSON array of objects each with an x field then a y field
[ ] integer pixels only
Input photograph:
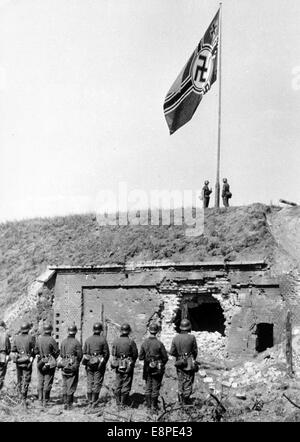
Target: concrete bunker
[
  {"x": 235, "y": 306},
  {"x": 204, "y": 312}
]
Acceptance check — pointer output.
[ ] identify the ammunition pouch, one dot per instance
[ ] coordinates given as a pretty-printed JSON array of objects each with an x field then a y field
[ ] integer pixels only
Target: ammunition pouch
[
  {"x": 180, "y": 363},
  {"x": 125, "y": 364},
  {"x": 47, "y": 363},
  {"x": 68, "y": 365},
  {"x": 23, "y": 360},
  {"x": 155, "y": 367},
  {"x": 85, "y": 360},
  {"x": 186, "y": 362},
  {"x": 95, "y": 362}
]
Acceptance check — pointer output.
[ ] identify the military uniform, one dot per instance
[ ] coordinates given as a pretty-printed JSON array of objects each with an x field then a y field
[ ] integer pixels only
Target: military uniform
[
  {"x": 45, "y": 347},
  {"x": 153, "y": 350},
  {"x": 206, "y": 196},
  {"x": 126, "y": 347},
  {"x": 225, "y": 191},
  {"x": 184, "y": 343},
  {"x": 95, "y": 345},
  {"x": 4, "y": 350},
  {"x": 70, "y": 347},
  {"x": 23, "y": 345}
]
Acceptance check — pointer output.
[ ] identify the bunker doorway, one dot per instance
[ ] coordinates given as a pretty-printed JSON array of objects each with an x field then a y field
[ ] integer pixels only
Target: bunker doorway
[
  {"x": 205, "y": 315},
  {"x": 264, "y": 336}
]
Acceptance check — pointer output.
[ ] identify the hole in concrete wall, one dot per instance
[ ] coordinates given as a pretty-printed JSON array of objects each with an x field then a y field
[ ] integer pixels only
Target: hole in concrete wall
[
  {"x": 264, "y": 336},
  {"x": 205, "y": 314}
]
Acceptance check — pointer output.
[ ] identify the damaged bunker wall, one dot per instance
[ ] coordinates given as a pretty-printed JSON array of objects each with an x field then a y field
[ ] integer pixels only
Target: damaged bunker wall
[{"x": 235, "y": 311}]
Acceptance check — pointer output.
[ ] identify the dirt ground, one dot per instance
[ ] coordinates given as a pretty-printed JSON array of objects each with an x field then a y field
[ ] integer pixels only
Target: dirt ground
[{"x": 254, "y": 391}]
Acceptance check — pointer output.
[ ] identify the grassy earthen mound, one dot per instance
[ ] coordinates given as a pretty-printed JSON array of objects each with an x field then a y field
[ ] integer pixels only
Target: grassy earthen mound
[{"x": 27, "y": 247}]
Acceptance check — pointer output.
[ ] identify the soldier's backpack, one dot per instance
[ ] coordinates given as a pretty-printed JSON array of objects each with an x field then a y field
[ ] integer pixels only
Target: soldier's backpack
[
  {"x": 23, "y": 359},
  {"x": 95, "y": 362},
  {"x": 68, "y": 365},
  {"x": 191, "y": 364},
  {"x": 155, "y": 366},
  {"x": 124, "y": 364},
  {"x": 47, "y": 363}
]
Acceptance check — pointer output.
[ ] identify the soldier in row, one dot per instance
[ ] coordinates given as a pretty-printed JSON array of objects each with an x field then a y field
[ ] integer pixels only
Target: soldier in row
[
  {"x": 71, "y": 355},
  {"x": 155, "y": 357},
  {"x": 4, "y": 352},
  {"x": 125, "y": 354},
  {"x": 95, "y": 357},
  {"x": 46, "y": 350},
  {"x": 23, "y": 354},
  {"x": 184, "y": 349}
]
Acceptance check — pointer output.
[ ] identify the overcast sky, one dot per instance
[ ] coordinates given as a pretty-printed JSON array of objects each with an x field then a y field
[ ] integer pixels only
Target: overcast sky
[{"x": 82, "y": 85}]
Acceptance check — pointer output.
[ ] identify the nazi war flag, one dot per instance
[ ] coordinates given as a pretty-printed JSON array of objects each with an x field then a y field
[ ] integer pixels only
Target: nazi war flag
[{"x": 195, "y": 79}]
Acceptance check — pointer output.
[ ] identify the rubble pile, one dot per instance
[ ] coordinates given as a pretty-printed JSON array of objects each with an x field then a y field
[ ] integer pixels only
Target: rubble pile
[
  {"x": 268, "y": 369},
  {"x": 211, "y": 345}
]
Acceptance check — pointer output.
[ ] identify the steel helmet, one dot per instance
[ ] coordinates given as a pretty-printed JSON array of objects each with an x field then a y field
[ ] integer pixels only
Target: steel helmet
[
  {"x": 47, "y": 328},
  {"x": 97, "y": 327},
  {"x": 2, "y": 324},
  {"x": 224, "y": 180},
  {"x": 125, "y": 328},
  {"x": 25, "y": 327},
  {"x": 185, "y": 325},
  {"x": 72, "y": 329},
  {"x": 206, "y": 182},
  {"x": 153, "y": 329}
]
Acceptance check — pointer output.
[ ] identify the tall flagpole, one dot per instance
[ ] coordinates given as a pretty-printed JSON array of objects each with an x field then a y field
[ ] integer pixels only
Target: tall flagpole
[{"x": 217, "y": 187}]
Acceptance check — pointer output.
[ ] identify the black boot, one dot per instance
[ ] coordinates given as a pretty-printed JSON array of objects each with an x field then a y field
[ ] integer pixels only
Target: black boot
[
  {"x": 124, "y": 399},
  {"x": 148, "y": 401},
  {"x": 90, "y": 398},
  {"x": 95, "y": 399},
  {"x": 24, "y": 399},
  {"x": 46, "y": 398},
  {"x": 65, "y": 401},
  {"x": 70, "y": 401},
  {"x": 155, "y": 404},
  {"x": 118, "y": 399}
]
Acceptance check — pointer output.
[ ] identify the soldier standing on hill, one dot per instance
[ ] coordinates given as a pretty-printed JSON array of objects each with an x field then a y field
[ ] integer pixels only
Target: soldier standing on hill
[
  {"x": 71, "y": 353},
  {"x": 95, "y": 357},
  {"x": 184, "y": 349},
  {"x": 226, "y": 194},
  {"x": 23, "y": 355},
  {"x": 4, "y": 352},
  {"x": 206, "y": 191},
  {"x": 155, "y": 357},
  {"x": 47, "y": 351},
  {"x": 125, "y": 353}
]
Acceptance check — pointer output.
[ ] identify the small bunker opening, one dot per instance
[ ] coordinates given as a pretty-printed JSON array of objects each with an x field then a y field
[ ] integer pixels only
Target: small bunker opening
[
  {"x": 204, "y": 312},
  {"x": 264, "y": 336}
]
